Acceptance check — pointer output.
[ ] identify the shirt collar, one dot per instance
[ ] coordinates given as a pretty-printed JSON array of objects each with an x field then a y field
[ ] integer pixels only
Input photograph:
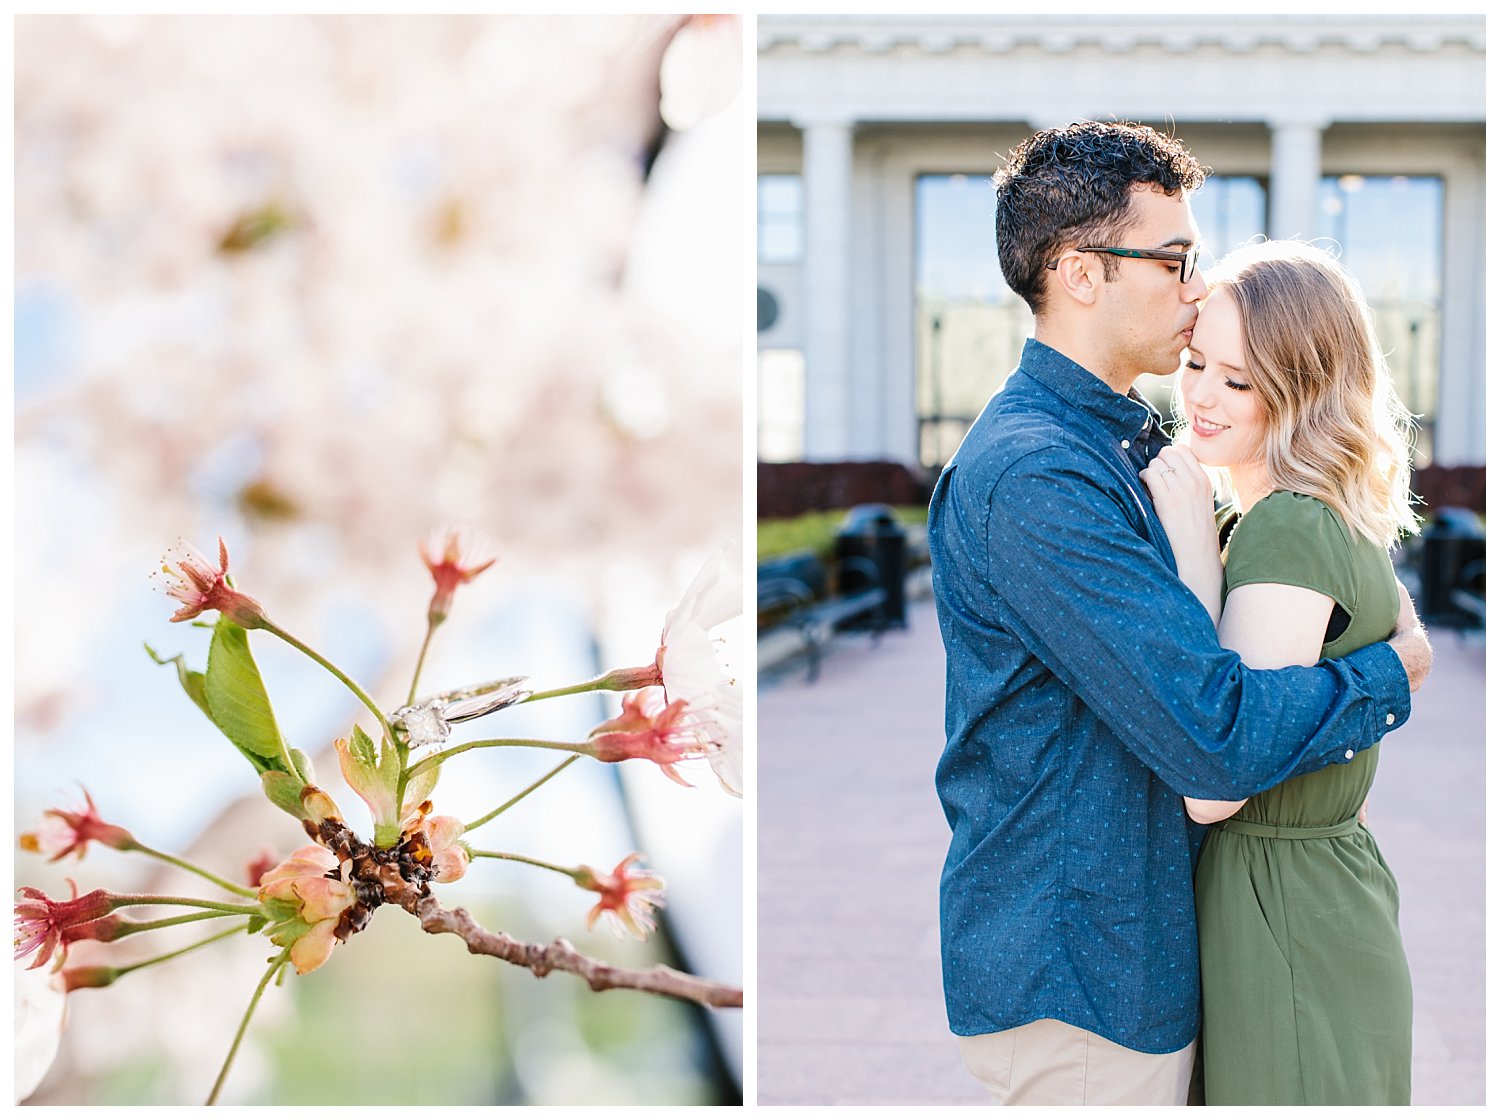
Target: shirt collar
[{"x": 1125, "y": 417}]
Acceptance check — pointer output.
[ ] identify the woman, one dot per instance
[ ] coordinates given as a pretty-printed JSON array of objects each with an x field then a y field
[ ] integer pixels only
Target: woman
[{"x": 1306, "y": 993}]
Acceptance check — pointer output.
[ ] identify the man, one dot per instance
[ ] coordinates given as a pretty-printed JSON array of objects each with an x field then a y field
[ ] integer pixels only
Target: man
[{"x": 1087, "y": 690}]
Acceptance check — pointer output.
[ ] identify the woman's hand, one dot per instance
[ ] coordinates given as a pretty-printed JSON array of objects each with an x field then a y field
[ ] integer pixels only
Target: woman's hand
[{"x": 1184, "y": 499}]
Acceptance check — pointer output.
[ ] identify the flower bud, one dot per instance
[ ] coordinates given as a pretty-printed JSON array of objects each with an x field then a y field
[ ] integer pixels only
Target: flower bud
[
  {"x": 111, "y": 927},
  {"x": 92, "y": 976},
  {"x": 306, "y": 904},
  {"x": 453, "y": 559},
  {"x": 66, "y": 832},
  {"x": 317, "y": 806},
  {"x": 264, "y": 860},
  {"x": 628, "y": 680}
]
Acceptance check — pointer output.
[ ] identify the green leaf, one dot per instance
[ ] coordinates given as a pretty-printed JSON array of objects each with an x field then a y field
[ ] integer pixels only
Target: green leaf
[
  {"x": 283, "y": 791},
  {"x": 418, "y": 789},
  {"x": 363, "y": 747},
  {"x": 257, "y": 924},
  {"x": 237, "y": 700},
  {"x": 191, "y": 679},
  {"x": 304, "y": 767}
]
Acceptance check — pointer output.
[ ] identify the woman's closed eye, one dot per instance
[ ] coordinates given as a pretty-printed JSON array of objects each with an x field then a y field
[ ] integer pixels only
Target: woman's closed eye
[{"x": 1198, "y": 367}]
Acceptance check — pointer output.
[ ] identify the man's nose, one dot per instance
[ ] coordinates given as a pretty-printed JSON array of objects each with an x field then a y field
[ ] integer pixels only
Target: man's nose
[{"x": 1195, "y": 289}]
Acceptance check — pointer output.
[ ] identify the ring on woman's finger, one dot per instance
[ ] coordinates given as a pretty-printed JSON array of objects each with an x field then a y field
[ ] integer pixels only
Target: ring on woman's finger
[{"x": 1170, "y": 470}]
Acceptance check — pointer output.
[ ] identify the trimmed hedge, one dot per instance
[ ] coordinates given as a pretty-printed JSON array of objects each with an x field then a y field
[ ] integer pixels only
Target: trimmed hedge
[{"x": 815, "y": 531}]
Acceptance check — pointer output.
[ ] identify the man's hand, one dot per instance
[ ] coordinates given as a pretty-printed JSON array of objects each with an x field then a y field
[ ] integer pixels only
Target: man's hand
[{"x": 1410, "y": 641}]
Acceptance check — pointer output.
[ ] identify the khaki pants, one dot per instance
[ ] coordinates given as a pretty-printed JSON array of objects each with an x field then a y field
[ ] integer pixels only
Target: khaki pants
[{"x": 1048, "y": 1062}]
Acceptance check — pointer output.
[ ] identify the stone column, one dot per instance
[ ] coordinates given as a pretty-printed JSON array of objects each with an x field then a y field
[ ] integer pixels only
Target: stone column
[
  {"x": 1459, "y": 436},
  {"x": 827, "y": 172},
  {"x": 1296, "y": 167}
]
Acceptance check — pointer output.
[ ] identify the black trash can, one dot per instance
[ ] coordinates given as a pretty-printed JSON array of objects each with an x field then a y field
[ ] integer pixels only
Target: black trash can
[
  {"x": 1452, "y": 552},
  {"x": 874, "y": 544}
]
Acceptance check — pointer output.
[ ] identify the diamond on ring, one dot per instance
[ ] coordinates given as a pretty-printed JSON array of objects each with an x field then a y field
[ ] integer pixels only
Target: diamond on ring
[{"x": 430, "y": 721}]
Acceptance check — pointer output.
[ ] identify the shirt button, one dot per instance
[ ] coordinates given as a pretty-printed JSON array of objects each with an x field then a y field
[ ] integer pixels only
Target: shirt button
[
  {"x": 1348, "y": 754},
  {"x": 1390, "y": 718},
  {"x": 1125, "y": 443}
]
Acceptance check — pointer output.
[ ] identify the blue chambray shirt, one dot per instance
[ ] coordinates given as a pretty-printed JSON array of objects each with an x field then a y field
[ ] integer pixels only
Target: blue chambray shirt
[{"x": 1087, "y": 692}]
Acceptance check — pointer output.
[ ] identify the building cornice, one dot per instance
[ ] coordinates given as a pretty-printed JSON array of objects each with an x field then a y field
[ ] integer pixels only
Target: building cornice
[{"x": 937, "y": 35}]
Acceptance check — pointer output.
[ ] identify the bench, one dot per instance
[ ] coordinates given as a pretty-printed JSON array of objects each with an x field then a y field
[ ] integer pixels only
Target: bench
[
  {"x": 792, "y": 592},
  {"x": 1468, "y": 596}
]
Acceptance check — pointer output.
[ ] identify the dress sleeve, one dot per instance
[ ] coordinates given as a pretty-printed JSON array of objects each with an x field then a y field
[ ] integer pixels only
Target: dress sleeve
[{"x": 1296, "y": 540}]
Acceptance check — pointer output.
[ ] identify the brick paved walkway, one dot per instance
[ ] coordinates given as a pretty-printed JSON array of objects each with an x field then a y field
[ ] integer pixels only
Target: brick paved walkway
[{"x": 852, "y": 840}]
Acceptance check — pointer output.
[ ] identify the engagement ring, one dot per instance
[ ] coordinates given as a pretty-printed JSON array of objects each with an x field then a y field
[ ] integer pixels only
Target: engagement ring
[{"x": 430, "y": 720}]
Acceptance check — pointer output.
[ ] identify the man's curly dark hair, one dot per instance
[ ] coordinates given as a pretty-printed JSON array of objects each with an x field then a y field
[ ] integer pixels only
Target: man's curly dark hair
[{"x": 1071, "y": 186}]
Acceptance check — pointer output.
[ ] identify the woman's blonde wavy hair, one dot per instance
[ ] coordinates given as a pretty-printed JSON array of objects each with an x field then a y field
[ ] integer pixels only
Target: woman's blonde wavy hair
[{"x": 1334, "y": 427}]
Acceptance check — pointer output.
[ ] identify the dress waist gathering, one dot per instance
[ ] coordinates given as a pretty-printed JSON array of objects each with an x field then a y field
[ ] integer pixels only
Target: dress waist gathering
[{"x": 1288, "y": 832}]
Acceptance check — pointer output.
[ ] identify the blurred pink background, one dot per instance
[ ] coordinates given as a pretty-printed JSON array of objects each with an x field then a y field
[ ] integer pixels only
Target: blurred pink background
[{"x": 319, "y": 285}]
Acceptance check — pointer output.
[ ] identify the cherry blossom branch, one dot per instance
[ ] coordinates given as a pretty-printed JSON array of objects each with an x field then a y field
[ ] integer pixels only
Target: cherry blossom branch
[
  {"x": 348, "y": 682},
  {"x": 120, "y": 900},
  {"x": 616, "y": 680},
  {"x": 416, "y": 675},
  {"x": 239, "y": 1035},
  {"x": 478, "y": 854},
  {"x": 126, "y": 928},
  {"x": 560, "y": 956},
  {"x": 442, "y": 756},
  {"x": 557, "y": 956},
  {"x": 124, "y": 969},
  {"x": 532, "y": 788},
  {"x": 176, "y": 861}
]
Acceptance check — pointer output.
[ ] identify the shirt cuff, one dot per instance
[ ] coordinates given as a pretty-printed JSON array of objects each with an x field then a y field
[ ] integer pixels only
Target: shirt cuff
[{"x": 1378, "y": 668}]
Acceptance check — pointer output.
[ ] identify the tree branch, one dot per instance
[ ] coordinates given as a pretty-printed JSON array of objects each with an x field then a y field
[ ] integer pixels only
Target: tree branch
[{"x": 558, "y": 956}]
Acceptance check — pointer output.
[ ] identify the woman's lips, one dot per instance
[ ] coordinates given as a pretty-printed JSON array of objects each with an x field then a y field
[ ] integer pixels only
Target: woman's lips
[{"x": 1207, "y": 429}]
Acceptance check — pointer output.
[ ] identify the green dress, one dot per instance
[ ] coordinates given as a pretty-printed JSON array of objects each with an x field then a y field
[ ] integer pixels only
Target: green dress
[{"x": 1306, "y": 993}]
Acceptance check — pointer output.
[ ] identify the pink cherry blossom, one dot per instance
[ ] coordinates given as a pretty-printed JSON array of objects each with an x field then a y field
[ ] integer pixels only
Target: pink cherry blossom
[
  {"x": 41, "y": 1012},
  {"x": 256, "y": 868},
  {"x": 646, "y": 728},
  {"x": 192, "y": 579},
  {"x": 700, "y": 74},
  {"x": 64, "y": 832},
  {"x": 626, "y": 897},
  {"x": 302, "y": 878},
  {"x": 42, "y": 923},
  {"x": 453, "y": 558},
  {"x": 690, "y": 667}
]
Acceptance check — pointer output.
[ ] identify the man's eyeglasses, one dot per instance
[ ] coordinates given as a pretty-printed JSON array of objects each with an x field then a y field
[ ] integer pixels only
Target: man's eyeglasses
[{"x": 1187, "y": 263}]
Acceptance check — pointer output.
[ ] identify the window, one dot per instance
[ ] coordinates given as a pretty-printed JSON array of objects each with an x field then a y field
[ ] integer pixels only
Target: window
[
  {"x": 970, "y": 326},
  {"x": 1389, "y": 233},
  {"x": 778, "y": 216},
  {"x": 1230, "y": 210},
  {"x": 781, "y": 407}
]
